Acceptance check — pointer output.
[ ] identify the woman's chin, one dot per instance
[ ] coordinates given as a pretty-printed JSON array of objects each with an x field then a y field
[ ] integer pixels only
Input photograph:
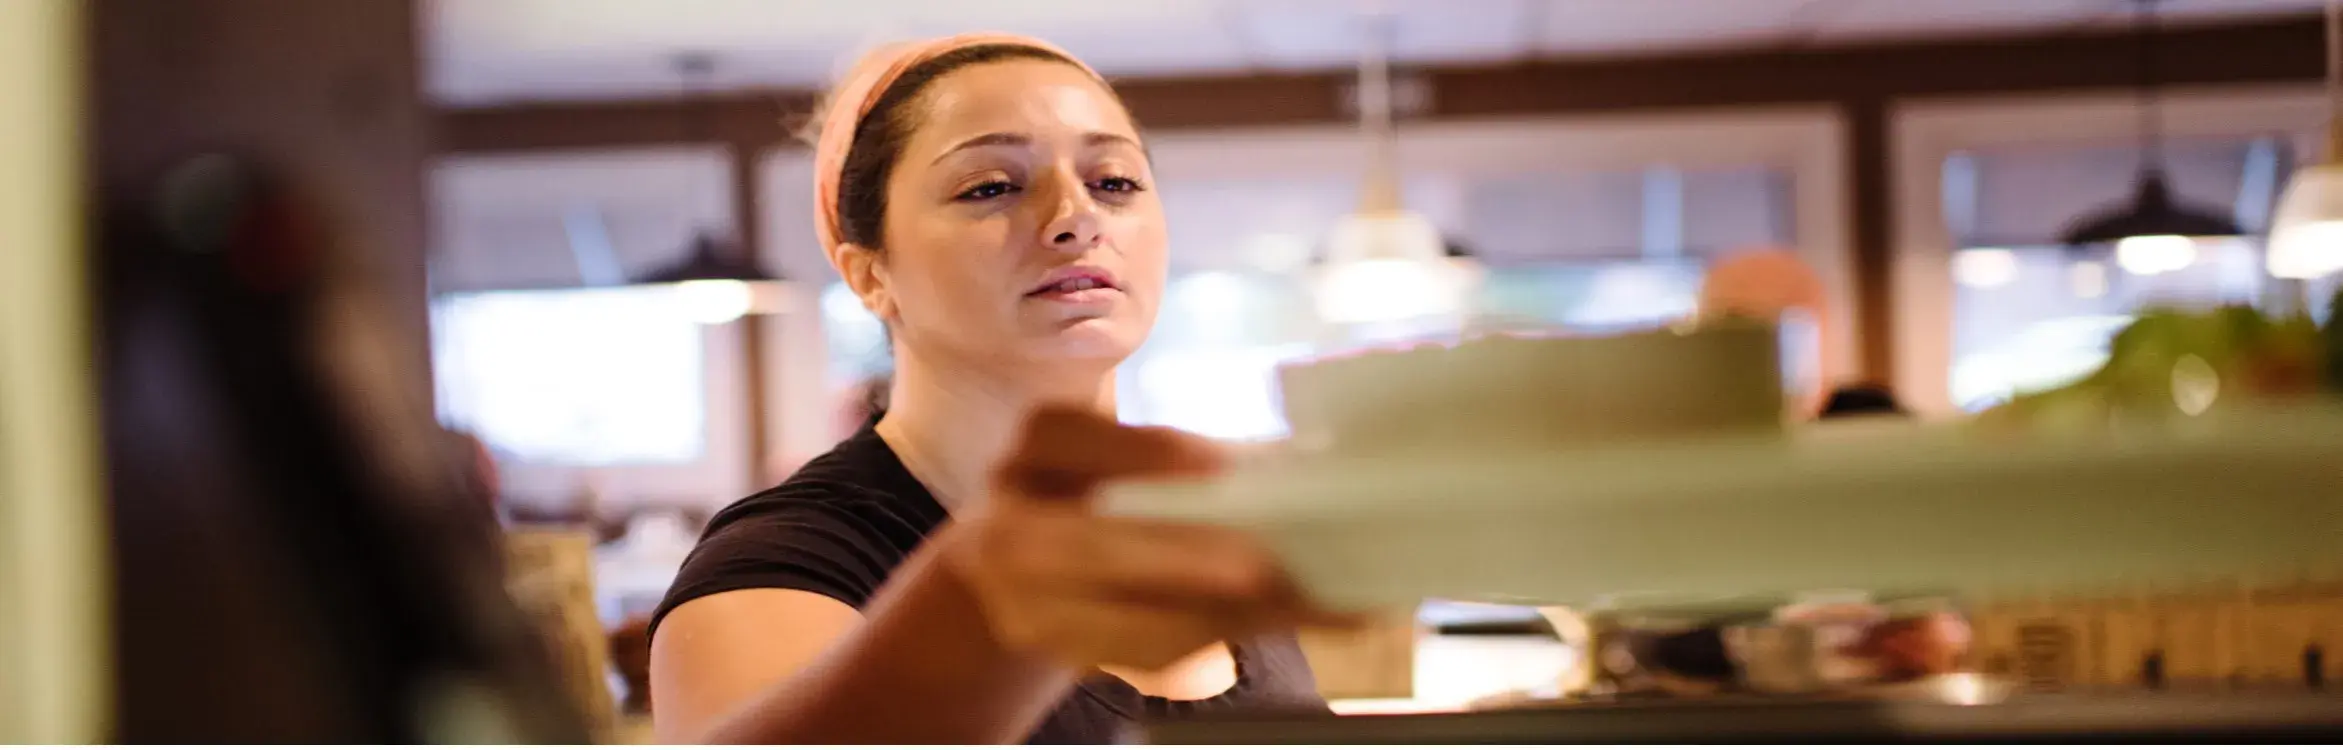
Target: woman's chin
[{"x": 1096, "y": 339}]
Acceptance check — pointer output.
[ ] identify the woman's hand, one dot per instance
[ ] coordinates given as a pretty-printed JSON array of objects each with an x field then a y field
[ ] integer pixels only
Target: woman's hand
[{"x": 1056, "y": 580}]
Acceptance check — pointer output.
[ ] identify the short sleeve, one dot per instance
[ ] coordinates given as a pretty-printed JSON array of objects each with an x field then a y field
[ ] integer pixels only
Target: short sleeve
[{"x": 825, "y": 548}]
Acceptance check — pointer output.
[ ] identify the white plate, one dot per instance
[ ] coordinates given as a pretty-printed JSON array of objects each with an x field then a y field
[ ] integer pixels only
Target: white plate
[
  {"x": 2231, "y": 498},
  {"x": 1555, "y": 391}
]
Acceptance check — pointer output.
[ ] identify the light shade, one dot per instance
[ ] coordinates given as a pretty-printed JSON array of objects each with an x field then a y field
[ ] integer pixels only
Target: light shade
[
  {"x": 2152, "y": 212},
  {"x": 708, "y": 260},
  {"x": 2306, "y": 233},
  {"x": 715, "y": 286},
  {"x": 1391, "y": 265}
]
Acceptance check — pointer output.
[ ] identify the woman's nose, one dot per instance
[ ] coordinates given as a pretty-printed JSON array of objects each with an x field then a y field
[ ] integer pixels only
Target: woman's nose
[{"x": 1073, "y": 225}]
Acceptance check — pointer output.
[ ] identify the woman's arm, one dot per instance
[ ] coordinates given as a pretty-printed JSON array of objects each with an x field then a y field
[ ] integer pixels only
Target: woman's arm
[
  {"x": 978, "y": 633},
  {"x": 773, "y": 666}
]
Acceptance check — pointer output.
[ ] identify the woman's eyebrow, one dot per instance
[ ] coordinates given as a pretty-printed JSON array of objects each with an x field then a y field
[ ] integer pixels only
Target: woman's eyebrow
[{"x": 1093, "y": 138}]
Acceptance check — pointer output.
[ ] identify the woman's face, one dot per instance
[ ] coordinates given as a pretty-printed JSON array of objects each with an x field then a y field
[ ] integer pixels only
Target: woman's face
[{"x": 1022, "y": 224}]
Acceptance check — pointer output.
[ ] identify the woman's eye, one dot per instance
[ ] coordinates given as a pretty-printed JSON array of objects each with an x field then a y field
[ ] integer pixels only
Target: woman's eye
[
  {"x": 987, "y": 191},
  {"x": 1120, "y": 185}
]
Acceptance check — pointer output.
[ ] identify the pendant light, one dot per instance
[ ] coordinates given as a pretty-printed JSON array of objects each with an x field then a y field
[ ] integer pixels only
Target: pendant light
[
  {"x": 2306, "y": 234},
  {"x": 1385, "y": 263},
  {"x": 2154, "y": 232},
  {"x": 715, "y": 281}
]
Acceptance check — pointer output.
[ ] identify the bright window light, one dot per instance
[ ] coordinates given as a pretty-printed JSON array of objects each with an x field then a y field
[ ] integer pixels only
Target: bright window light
[
  {"x": 715, "y": 301},
  {"x": 583, "y": 377},
  {"x": 1985, "y": 267},
  {"x": 2151, "y": 255}
]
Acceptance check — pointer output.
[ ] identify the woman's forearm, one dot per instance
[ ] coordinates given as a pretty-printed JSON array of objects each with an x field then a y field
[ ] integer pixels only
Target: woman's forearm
[{"x": 923, "y": 668}]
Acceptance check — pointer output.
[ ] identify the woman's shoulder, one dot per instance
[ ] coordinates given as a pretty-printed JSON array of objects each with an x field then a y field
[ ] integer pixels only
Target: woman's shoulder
[
  {"x": 859, "y": 480},
  {"x": 838, "y": 527}
]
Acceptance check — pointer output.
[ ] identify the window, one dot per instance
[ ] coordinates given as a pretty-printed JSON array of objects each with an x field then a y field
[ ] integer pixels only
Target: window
[
  {"x": 584, "y": 377},
  {"x": 2012, "y": 173},
  {"x": 2029, "y": 314},
  {"x": 2034, "y": 318}
]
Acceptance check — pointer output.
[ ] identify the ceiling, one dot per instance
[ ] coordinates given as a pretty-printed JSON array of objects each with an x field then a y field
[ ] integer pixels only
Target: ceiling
[{"x": 484, "y": 52}]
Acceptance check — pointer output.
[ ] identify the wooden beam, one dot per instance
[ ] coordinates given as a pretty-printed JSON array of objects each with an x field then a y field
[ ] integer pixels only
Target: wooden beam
[
  {"x": 1871, "y": 229},
  {"x": 758, "y": 120},
  {"x": 1235, "y": 102},
  {"x": 2269, "y": 51},
  {"x": 2274, "y": 51},
  {"x": 748, "y": 229}
]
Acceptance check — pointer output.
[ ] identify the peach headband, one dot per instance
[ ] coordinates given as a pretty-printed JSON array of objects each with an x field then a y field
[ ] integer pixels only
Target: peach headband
[{"x": 860, "y": 90}]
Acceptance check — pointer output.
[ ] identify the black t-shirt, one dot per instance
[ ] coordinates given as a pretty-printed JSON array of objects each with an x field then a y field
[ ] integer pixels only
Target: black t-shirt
[{"x": 843, "y": 522}]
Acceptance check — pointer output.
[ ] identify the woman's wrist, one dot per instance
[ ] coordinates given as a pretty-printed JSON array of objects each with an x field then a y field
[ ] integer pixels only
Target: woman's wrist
[
  {"x": 939, "y": 599},
  {"x": 924, "y": 643}
]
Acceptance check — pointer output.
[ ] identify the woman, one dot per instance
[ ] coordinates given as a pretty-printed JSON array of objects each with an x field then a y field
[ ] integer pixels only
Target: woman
[{"x": 936, "y": 577}]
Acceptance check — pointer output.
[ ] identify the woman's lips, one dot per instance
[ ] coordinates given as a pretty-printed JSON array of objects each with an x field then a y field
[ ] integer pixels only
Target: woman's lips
[
  {"x": 1076, "y": 286},
  {"x": 1073, "y": 285},
  {"x": 1076, "y": 295}
]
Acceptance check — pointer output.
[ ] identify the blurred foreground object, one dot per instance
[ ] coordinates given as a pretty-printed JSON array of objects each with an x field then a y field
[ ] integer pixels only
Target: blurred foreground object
[
  {"x": 54, "y": 665},
  {"x": 1571, "y": 471},
  {"x": 298, "y": 559}
]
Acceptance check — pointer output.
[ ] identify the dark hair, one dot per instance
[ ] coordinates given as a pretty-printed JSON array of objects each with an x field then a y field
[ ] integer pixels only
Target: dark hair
[
  {"x": 880, "y": 135},
  {"x": 871, "y": 396}
]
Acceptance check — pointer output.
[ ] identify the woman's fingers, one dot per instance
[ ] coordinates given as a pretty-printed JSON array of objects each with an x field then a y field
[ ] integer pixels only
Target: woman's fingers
[
  {"x": 1089, "y": 633},
  {"x": 1062, "y": 554},
  {"x": 1092, "y": 590},
  {"x": 1146, "y": 561},
  {"x": 1064, "y": 453}
]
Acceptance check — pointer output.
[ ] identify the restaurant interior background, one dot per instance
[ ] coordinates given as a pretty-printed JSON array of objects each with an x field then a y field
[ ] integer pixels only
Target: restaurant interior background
[{"x": 1590, "y": 157}]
